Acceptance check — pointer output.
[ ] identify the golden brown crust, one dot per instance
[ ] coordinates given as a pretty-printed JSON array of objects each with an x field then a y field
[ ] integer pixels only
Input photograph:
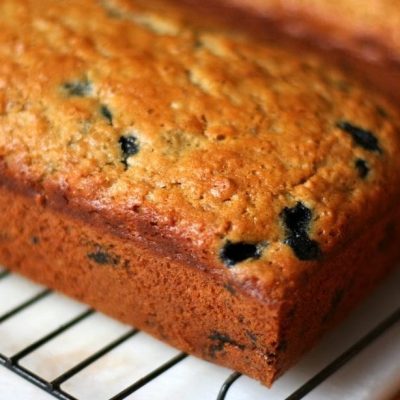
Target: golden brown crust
[
  {"x": 230, "y": 132},
  {"x": 240, "y": 162}
]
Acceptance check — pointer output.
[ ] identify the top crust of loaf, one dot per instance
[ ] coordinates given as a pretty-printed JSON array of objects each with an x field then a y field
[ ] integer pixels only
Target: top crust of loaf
[{"x": 236, "y": 157}]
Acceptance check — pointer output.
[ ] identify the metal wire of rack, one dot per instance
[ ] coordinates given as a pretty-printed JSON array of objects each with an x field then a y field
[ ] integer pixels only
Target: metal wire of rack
[{"x": 53, "y": 387}]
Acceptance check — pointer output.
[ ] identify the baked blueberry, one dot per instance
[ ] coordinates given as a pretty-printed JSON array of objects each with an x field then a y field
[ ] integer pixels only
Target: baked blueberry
[
  {"x": 220, "y": 340},
  {"x": 78, "y": 88},
  {"x": 362, "y": 167},
  {"x": 103, "y": 258},
  {"x": 35, "y": 240},
  {"x": 106, "y": 113},
  {"x": 236, "y": 252},
  {"x": 362, "y": 137},
  {"x": 304, "y": 247},
  {"x": 129, "y": 146},
  {"x": 220, "y": 337},
  {"x": 297, "y": 220}
]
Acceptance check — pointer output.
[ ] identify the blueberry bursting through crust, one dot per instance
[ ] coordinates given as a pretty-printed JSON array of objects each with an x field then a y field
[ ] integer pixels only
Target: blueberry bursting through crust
[
  {"x": 235, "y": 252},
  {"x": 79, "y": 88},
  {"x": 103, "y": 258},
  {"x": 106, "y": 113},
  {"x": 362, "y": 137},
  {"x": 297, "y": 220},
  {"x": 129, "y": 146}
]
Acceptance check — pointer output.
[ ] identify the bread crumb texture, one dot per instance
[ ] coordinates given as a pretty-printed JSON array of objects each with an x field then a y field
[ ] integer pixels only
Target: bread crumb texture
[{"x": 260, "y": 161}]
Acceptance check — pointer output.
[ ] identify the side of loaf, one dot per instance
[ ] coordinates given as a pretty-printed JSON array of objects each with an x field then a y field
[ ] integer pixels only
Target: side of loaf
[
  {"x": 186, "y": 307},
  {"x": 223, "y": 195}
]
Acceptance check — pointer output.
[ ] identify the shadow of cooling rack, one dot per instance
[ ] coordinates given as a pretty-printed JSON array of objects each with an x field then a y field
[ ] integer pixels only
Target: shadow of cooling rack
[{"x": 72, "y": 352}]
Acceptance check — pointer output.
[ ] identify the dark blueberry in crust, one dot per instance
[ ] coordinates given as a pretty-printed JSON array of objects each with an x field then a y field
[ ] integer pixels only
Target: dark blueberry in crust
[
  {"x": 103, "y": 258},
  {"x": 297, "y": 220},
  {"x": 233, "y": 253},
  {"x": 35, "y": 240},
  {"x": 362, "y": 137},
  {"x": 220, "y": 340},
  {"x": 271, "y": 357},
  {"x": 362, "y": 168},
  {"x": 220, "y": 337},
  {"x": 129, "y": 146},
  {"x": 106, "y": 113},
  {"x": 78, "y": 88},
  {"x": 304, "y": 248}
]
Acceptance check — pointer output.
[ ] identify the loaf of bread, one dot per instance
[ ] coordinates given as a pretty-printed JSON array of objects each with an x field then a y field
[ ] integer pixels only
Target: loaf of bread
[
  {"x": 370, "y": 28},
  {"x": 232, "y": 199}
]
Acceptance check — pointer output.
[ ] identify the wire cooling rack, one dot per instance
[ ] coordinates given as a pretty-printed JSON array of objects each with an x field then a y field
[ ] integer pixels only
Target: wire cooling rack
[{"x": 72, "y": 352}]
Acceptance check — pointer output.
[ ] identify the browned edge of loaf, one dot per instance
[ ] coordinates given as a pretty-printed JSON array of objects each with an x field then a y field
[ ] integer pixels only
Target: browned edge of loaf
[{"x": 184, "y": 305}]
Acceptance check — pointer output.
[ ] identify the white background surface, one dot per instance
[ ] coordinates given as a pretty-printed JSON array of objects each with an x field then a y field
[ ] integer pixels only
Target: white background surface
[{"x": 374, "y": 374}]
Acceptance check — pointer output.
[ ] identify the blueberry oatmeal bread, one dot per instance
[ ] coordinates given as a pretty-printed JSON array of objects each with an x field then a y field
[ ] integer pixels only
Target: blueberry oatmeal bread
[
  {"x": 370, "y": 28},
  {"x": 226, "y": 196}
]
